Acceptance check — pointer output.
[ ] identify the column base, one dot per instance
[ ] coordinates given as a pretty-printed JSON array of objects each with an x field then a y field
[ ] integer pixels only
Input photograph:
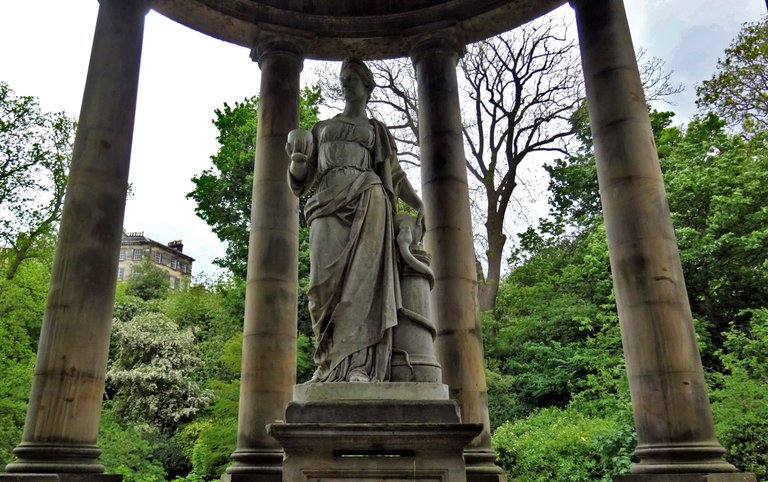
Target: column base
[
  {"x": 718, "y": 477},
  {"x": 694, "y": 458},
  {"x": 48, "y": 458},
  {"x": 481, "y": 466},
  {"x": 60, "y": 477},
  {"x": 251, "y": 477},
  {"x": 255, "y": 466}
]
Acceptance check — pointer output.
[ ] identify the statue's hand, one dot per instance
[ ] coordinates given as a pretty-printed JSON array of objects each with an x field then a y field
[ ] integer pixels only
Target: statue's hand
[
  {"x": 299, "y": 145},
  {"x": 298, "y": 157}
]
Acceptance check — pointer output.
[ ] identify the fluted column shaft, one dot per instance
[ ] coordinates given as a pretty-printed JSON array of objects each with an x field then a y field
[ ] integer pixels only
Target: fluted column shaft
[
  {"x": 62, "y": 421},
  {"x": 445, "y": 191},
  {"x": 269, "y": 336},
  {"x": 672, "y": 414}
]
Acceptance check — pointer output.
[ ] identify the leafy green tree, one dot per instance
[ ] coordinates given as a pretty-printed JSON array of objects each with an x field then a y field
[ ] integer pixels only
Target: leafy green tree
[
  {"x": 738, "y": 91},
  {"x": 741, "y": 403},
  {"x": 521, "y": 91},
  {"x": 717, "y": 197},
  {"x": 148, "y": 281},
  {"x": 210, "y": 439},
  {"x": 126, "y": 451},
  {"x": 35, "y": 153},
  {"x": 555, "y": 331},
  {"x": 22, "y": 304},
  {"x": 152, "y": 373},
  {"x": 555, "y": 444},
  {"x": 223, "y": 192},
  {"x": 555, "y": 327},
  {"x": 16, "y": 366}
]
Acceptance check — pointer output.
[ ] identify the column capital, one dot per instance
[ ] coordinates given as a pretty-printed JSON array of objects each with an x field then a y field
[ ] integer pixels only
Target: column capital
[
  {"x": 144, "y": 5},
  {"x": 447, "y": 41},
  {"x": 578, "y": 4},
  {"x": 272, "y": 42}
]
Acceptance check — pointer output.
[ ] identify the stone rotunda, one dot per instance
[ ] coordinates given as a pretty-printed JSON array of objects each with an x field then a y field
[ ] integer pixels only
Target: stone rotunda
[{"x": 676, "y": 439}]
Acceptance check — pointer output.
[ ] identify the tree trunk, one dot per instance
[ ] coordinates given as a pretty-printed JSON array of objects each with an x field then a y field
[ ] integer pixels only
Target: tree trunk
[{"x": 489, "y": 288}]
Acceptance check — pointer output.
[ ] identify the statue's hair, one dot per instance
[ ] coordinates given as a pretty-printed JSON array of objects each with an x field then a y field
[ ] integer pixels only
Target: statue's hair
[{"x": 360, "y": 69}]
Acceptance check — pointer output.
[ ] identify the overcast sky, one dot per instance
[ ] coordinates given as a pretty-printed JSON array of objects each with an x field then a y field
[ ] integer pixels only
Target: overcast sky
[{"x": 45, "y": 46}]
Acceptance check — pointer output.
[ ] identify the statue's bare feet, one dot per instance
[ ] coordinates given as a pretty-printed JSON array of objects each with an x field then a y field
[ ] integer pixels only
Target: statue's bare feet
[{"x": 359, "y": 376}]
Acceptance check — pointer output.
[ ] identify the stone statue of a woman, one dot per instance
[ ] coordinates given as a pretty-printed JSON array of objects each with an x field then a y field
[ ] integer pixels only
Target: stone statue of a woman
[{"x": 354, "y": 292}]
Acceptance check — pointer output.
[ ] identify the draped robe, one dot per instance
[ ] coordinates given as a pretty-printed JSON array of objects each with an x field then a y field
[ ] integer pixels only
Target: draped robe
[{"x": 354, "y": 292}]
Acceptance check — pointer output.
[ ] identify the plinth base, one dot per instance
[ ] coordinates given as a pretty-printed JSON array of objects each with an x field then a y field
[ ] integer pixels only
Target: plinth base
[
  {"x": 366, "y": 439},
  {"x": 255, "y": 466},
  {"x": 337, "y": 391},
  {"x": 481, "y": 466},
  {"x": 252, "y": 477},
  {"x": 60, "y": 477},
  {"x": 718, "y": 477}
]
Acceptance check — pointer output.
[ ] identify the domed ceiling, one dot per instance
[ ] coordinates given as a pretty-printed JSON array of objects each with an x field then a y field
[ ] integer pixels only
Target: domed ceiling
[{"x": 334, "y": 29}]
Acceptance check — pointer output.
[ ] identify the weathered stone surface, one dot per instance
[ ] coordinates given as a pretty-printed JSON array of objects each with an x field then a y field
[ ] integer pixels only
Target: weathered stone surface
[
  {"x": 269, "y": 336},
  {"x": 60, "y": 477},
  {"x": 363, "y": 411},
  {"x": 333, "y": 30},
  {"x": 672, "y": 415},
  {"x": 729, "y": 477},
  {"x": 261, "y": 476},
  {"x": 458, "y": 345},
  {"x": 374, "y": 451},
  {"x": 388, "y": 440},
  {"x": 320, "y": 392},
  {"x": 355, "y": 180},
  {"x": 413, "y": 339},
  {"x": 62, "y": 423}
]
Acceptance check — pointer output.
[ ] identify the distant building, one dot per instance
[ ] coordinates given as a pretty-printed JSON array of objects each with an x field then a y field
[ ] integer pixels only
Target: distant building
[{"x": 135, "y": 247}]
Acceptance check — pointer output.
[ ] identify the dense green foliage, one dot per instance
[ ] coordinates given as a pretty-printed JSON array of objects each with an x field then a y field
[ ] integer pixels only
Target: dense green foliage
[
  {"x": 563, "y": 445},
  {"x": 553, "y": 342},
  {"x": 223, "y": 192},
  {"x": 149, "y": 281},
  {"x": 35, "y": 152},
  {"x": 151, "y": 372},
  {"x": 738, "y": 91}
]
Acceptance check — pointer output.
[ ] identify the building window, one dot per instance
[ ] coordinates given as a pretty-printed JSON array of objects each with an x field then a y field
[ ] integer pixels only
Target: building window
[
  {"x": 122, "y": 255},
  {"x": 174, "y": 263},
  {"x": 121, "y": 272},
  {"x": 137, "y": 255},
  {"x": 172, "y": 281},
  {"x": 184, "y": 268},
  {"x": 159, "y": 258}
]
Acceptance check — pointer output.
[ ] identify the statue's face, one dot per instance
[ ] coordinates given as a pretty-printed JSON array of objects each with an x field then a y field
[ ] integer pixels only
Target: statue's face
[{"x": 352, "y": 86}]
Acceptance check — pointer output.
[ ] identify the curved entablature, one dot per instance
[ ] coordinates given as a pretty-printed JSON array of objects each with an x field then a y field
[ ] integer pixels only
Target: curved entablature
[{"x": 334, "y": 29}]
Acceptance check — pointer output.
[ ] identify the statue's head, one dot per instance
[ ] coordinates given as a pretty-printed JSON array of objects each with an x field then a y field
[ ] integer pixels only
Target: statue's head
[{"x": 362, "y": 71}]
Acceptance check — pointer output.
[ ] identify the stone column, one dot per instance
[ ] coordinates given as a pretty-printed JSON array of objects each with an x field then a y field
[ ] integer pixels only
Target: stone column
[
  {"x": 269, "y": 337},
  {"x": 445, "y": 191},
  {"x": 671, "y": 409},
  {"x": 63, "y": 416}
]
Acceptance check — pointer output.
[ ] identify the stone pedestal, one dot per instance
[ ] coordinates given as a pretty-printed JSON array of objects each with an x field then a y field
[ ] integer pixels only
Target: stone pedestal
[
  {"x": 391, "y": 432},
  {"x": 61, "y": 477},
  {"x": 720, "y": 477}
]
